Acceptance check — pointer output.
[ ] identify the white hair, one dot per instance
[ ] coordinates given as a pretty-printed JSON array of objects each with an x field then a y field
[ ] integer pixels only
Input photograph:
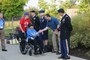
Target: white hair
[{"x": 1, "y": 14}]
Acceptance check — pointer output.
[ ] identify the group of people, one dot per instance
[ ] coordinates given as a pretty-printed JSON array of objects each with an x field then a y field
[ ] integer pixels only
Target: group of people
[
  {"x": 30, "y": 24},
  {"x": 33, "y": 25}
]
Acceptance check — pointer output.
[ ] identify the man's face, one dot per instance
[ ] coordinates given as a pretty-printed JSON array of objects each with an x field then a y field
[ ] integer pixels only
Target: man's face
[
  {"x": 1, "y": 15},
  {"x": 48, "y": 18},
  {"x": 32, "y": 13},
  {"x": 27, "y": 16},
  {"x": 41, "y": 14},
  {"x": 31, "y": 27},
  {"x": 61, "y": 14}
]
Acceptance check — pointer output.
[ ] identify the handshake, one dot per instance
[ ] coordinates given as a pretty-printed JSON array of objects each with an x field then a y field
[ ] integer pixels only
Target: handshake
[{"x": 40, "y": 31}]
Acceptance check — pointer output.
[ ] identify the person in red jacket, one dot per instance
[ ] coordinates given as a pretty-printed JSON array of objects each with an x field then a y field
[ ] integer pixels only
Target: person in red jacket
[{"x": 25, "y": 20}]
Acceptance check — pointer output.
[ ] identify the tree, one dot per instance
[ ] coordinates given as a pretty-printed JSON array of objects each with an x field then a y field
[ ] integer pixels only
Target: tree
[
  {"x": 42, "y": 4},
  {"x": 84, "y": 6},
  {"x": 68, "y": 4},
  {"x": 12, "y": 8},
  {"x": 50, "y": 8}
]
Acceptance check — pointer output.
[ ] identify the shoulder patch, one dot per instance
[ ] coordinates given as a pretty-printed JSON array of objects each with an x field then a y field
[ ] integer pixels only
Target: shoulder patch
[
  {"x": 67, "y": 16},
  {"x": 63, "y": 20}
]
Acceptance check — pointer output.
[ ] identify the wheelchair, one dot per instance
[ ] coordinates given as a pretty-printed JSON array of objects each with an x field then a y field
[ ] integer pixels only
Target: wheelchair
[{"x": 26, "y": 46}]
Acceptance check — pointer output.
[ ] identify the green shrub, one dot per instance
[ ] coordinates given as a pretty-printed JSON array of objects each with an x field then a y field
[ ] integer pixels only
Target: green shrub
[
  {"x": 74, "y": 40},
  {"x": 50, "y": 37},
  {"x": 88, "y": 53},
  {"x": 81, "y": 30}
]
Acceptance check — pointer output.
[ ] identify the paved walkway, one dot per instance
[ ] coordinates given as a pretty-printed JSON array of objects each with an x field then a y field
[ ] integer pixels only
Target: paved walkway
[{"x": 14, "y": 54}]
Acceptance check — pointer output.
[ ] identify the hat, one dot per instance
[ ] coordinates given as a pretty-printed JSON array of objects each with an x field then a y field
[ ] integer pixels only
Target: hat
[
  {"x": 29, "y": 25},
  {"x": 61, "y": 10},
  {"x": 42, "y": 11},
  {"x": 48, "y": 15},
  {"x": 32, "y": 11},
  {"x": 26, "y": 13}
]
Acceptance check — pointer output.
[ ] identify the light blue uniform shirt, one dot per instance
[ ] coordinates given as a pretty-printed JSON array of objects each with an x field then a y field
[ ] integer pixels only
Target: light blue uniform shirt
[
  {"x": 31, "y": 33},
  {"x": 1, "y": 23}
]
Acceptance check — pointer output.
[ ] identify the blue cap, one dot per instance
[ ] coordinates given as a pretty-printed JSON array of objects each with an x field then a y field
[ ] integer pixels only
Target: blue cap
[
  {"x": 42, "y": 11},
  {"x": 26, "y": 13}
]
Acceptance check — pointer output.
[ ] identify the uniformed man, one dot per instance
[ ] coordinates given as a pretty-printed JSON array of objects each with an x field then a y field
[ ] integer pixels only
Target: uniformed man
[
  {"x": 65, "y": 29},
  {"x": 36, "y": 23},
  {"x": 44, "y": 35},
  {"x": 35, "y": 20}
]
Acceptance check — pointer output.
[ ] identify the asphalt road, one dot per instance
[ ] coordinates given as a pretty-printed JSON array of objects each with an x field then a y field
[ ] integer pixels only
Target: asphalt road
[{"x": 13, "y": 53}]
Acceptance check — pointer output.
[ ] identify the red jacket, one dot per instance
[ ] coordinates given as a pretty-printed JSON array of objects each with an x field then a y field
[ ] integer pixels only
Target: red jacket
[{"x": 24, "y": 23}]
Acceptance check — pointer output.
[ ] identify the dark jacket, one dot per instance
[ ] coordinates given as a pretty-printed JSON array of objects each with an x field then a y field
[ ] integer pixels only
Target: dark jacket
[
  {"x": 36, "y": 22},
  {"x": 43, "y": 24},
  {"x": 65, "y": 27}
]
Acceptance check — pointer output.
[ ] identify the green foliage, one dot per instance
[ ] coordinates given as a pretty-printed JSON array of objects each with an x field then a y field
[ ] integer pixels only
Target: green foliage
[
  {"x": 32, "y": 8},
  {"x": 50, "y": 36},
  {"x": 74, "y": 40},
  {"x": 88, "y": 53},
  {"x": 84, "y": 6},
  {"x": 81, "y": 31},
  {"x": 50, "y": 8},
  {"x": 12, "y": 8},
  {"x": 68, "y": 4},
  {"x": 42, "y": 4}
]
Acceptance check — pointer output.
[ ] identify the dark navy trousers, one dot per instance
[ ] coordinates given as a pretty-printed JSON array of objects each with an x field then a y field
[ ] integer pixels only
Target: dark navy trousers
[{"x": 64, "y": 47}]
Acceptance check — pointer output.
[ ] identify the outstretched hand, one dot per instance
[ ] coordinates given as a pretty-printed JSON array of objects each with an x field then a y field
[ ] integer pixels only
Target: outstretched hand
[{"x": 40, "y": 31}]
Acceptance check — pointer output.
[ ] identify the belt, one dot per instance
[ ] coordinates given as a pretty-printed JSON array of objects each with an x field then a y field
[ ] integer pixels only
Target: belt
[{"x": 1, "y": 29}]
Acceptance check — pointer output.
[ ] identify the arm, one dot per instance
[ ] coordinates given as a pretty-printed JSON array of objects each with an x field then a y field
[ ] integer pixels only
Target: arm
[
  {"x": 37, "y": 23},
  {"x": 3, "y": 24},
  {"x": 57, "y": 23},
  {"x": 21, "y": 29},
  {"x": 21, "y": 22},
  {"x": 43, "y": 29},
  {"x": 58, "y": 26},
  {"x": 68, "y": 23}
]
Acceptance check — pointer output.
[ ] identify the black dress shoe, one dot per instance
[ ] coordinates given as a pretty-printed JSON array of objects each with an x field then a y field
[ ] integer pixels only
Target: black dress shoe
[
  {"x": 58, "y": 53},
  {"x": 54, "y": 51},
  {"x": 35, "y": 53},
  {"x": 67, "y": 57},
  {"x": 44, "y": 51},
  {"x": 61, "y": 57},
  {"x": 4, "y": 50}
]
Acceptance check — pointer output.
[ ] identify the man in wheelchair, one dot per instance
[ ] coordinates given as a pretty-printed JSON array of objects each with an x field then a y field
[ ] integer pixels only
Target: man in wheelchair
[{"x": 32, "y": 38}]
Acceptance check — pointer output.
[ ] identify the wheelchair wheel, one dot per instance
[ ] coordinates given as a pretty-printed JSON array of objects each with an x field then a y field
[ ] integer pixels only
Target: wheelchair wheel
[
  {"x": 39, "y": 50},
  {"x": 23, "y": 50},
  {"x": 30, "y": 52}
]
